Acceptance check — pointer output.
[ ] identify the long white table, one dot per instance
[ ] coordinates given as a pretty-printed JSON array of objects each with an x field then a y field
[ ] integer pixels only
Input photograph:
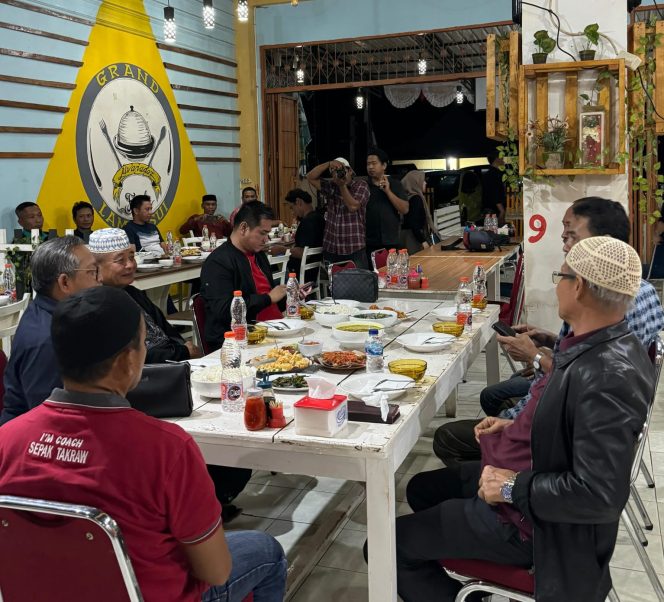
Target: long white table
[
  {"x": 365, "y": 452},
  {"x": 158, "y": 282}
]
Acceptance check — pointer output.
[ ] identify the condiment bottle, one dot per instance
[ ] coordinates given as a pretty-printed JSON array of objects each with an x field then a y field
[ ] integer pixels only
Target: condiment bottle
[{"x": 255, "y": 414}]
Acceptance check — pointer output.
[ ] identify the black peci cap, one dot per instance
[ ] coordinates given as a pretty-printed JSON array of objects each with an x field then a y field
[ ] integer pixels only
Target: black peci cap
[{"x": 209, "y": 197}]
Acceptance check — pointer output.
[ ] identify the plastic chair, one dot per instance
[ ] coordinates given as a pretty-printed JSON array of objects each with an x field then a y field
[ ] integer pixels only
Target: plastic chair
[
  {"x": 312, "y": 258},
  {"x": 197, "y": 304},
  {"x": 10, "y": 315},
  {"x": 62, "y": 552},
  {"x": 379, "y": 259},
  {"x": 279, "y": 265},
  {"x": 192, "y": 241}
]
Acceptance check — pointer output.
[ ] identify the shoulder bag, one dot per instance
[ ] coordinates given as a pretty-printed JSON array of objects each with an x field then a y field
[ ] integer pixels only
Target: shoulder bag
[{"x": 164, "y": 391}]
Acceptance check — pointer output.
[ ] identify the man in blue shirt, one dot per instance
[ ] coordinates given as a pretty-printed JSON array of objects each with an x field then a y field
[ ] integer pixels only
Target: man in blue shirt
[
  {"x": 60, "y": 267},
  {"x": 142, "y": 233}
]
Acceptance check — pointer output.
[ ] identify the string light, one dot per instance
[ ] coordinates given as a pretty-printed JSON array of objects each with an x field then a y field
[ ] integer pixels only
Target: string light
[
  {"x": 299, "y": 75},
  {"x": 243, "y": 10},
  {"x": 208, "y": 14},
  {"x": 459, "y": 95},
  {"x": 359, "y": 100},
  {"x": 422, "y": 66},
  {"x": 169, "y": 24}
]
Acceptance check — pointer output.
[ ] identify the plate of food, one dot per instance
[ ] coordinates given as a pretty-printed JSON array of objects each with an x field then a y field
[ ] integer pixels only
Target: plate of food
[
  {"x": 401, "y": 315},
  {"x": 290, "y": 383},
  {"x": 280, "y": 361},
  {"x": 341, "y": 360}
]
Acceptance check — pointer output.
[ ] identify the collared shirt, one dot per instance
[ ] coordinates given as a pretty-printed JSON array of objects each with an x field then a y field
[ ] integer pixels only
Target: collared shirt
[
  {"x": 32, "y": 372},
  {"x": 147, "y": 474},
  {"x": 345, "y": 230},
  {"x": 645, "y": 319}
]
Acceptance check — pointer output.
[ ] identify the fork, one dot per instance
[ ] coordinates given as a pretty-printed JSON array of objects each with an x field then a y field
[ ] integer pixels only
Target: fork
[{"x": 104, "y": 131}]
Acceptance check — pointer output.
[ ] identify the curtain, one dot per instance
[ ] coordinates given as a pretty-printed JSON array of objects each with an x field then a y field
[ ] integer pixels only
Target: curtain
[{"x": 438, "y": 94}]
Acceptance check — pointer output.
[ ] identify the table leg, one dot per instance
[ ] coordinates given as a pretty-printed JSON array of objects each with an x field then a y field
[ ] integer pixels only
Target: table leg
[
  {"x": 451, "y": 404},
  {"x": 493, "y": 284},
  {"x": 381, "y": 530},
  {"x": 492, "y": 352}
]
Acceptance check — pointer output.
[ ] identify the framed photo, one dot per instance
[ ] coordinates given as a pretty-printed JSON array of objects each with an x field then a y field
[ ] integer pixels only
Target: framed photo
[{"x": 591, "y": 137}]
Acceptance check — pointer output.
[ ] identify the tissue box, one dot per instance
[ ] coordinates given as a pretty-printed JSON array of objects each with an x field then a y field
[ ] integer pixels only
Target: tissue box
[{"x": 320, "y": 417}]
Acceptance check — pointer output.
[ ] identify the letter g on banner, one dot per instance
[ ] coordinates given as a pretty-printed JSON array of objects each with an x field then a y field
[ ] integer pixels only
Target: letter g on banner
[{"x": 537, "y": 224}]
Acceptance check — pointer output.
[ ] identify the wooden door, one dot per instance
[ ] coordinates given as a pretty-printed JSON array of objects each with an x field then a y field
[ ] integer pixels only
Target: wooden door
[{"x": 282, "y": 137}]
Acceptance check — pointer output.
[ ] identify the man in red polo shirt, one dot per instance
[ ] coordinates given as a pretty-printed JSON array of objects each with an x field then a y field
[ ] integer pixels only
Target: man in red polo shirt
[
  {"x": 86, "y": 445},
  {"x": 240, "y": 264}
]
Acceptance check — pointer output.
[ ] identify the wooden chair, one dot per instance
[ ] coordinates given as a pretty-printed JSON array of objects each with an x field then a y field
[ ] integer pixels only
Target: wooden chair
[
  {"x": 448, "y": 221},
  {"x": 312, "y": 258},
  {"x": 279, "y": 265},
  {"x": 10, "y": 316},
  {"x": 62, "y": 552}
]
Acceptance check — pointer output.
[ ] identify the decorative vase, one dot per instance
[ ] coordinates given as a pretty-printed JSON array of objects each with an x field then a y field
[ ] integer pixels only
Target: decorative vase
[
  {"x": 539, "y": 57},
  {"x": 587, "y": 55},
  {"x": 553, "y": 159},
  {"x": 592, "y": 121}
]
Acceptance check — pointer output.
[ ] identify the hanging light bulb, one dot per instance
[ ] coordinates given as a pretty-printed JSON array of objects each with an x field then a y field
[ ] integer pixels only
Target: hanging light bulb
[
  {"x": 169, "y": 24},
  {"x": 208, "y": 14},
  {"x": 422, "y": 66},
  {"x": 359, "y": 100},
  {"x": 459, "y": 95},
  {"x": 243, "y": 10},
  {"x": 299, "y": 75},
  {"x": 294, "y": 2}
]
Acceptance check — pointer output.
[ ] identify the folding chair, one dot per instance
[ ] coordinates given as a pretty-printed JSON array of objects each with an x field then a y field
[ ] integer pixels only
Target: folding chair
[
  {"x": 10, "y": 315},
  {"x": 379, "y": 259},
  {"x": 62, "y": 552}
]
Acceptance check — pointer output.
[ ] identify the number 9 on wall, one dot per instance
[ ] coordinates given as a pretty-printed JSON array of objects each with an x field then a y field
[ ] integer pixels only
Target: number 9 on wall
[{"x": 537, "y": 224}]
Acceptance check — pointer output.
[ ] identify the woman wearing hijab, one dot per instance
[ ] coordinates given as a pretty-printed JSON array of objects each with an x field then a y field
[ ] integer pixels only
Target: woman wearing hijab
[{"x": 414, "y": 228}]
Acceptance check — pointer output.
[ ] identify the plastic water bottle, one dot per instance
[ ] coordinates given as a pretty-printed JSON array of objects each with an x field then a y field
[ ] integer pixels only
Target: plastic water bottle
[
  {"x": 494, "y": 223},
  {"x": 213, "y": 241},
  {"x": 169, "y": 243},
  {"x": 464, "y": 308},
  {"x": 479, "y": 286},
  {"x": 239, "y": 319},
  {"x": 232, "y": 393},
  {"x": 205, "y": 243},
  {"x": 292, "y": 296},
  {"x": 9, "y": 281},
  {"x": 177, "y": 253},
  {"x": 403, "y": 269},
  {"x": 392, "y": 277},
  {"x": 374, "y": 350}
]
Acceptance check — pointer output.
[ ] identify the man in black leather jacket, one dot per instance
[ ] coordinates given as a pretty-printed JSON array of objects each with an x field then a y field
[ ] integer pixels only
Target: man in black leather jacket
[{"x": 553, "y": 482}]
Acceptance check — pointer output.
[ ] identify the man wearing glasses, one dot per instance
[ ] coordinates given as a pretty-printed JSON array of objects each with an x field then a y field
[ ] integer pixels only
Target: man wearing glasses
[{"x": 60, "y": 268}]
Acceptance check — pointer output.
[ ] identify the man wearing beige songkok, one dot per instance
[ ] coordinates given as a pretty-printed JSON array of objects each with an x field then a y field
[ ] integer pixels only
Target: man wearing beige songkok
[{"x": 552, "y": 483}]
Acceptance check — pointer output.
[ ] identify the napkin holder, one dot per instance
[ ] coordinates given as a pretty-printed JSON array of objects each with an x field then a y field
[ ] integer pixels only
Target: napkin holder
[{"x": 358, "y": 411}]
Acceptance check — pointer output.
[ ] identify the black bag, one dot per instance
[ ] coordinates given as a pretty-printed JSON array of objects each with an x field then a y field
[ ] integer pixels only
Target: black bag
[
  {"x": 164, "y": 391},
  {"x": 355, "y": 284},
  {"x": 478, "y": 240}
]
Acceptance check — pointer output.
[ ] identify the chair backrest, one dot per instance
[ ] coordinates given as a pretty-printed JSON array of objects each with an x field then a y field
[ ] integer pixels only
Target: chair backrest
[
  {"x": 10, "y": 315},
  {"x": 379, "y": 259},
  {"x": 512, "y": 311},
  {"x": 197, "y": 305},
  {"x": 279, "y": 265},
  {"x": 193, "y": 241},
  {"x": 312, "y": 259},
  {"x": 448, "y": 221},
  {"x": 62, "y": 552},
  {"x": 3, "y": 366},
  {"x": 656, "y": 267}
]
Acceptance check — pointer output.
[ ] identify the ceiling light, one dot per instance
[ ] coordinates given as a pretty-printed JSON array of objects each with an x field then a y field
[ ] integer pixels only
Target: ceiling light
[
  {"x": 243, "y": 10},
  {"x": 294, "y": 2},
  {"x": 359, "y": 100},
  {"x": 459, "y": 95},
  {"x": 208, "y": 14},
  {"x": 422, "y": 66},
  {"x": 169, "y": 24},
  {"x": 299, "y": 75}
]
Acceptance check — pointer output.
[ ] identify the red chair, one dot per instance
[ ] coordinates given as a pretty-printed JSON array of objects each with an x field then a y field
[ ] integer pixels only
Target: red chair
[
  {"x": 379, "y": 259},
  {"x": 197, "y": 304},
  {"x": 510, "y": 312},
  {"x": 62, "y": 552},
  {"x": 482, "y": 576}
]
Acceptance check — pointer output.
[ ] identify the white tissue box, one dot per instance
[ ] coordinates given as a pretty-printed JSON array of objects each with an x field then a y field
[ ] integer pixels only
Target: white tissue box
[{"x": 320, "y": 417}]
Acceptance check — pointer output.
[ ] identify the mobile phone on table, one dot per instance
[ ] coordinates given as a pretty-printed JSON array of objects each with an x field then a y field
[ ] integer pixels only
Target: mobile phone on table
[{"x": 504, "y": 329}]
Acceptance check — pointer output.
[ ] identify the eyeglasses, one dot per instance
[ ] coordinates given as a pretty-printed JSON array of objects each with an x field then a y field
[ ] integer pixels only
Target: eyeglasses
[
  {"x": 556, "y": 277},
  {"x": 95, "y": 270}
]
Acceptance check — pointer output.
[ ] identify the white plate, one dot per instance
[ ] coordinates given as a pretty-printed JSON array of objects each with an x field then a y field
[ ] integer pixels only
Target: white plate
[
  {"x": 148, "y": 267},
  {"x": 414, "y": 341},
  {"x": 358, "y": 385},
  {"x": 194, "y": 259},
  {"x": 448, "y": 312},
  {"x": 293, "y": 327},
  {"x": 328, "y": 301}
]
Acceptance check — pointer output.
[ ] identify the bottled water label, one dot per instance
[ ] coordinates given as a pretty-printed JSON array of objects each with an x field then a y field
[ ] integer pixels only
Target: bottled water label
[{"x": 231, "y": 396}]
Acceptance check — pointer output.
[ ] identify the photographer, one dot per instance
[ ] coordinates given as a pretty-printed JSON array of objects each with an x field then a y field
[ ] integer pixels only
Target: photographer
[{"x": 345, "y": 220}]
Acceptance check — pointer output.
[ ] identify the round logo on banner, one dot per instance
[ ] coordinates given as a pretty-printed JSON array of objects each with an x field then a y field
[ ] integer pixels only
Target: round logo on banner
[{"x": 127, "y": 143}]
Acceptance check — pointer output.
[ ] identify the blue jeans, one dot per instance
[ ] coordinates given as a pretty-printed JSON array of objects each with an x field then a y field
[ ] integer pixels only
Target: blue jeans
[{"x": 259, "y": 565}]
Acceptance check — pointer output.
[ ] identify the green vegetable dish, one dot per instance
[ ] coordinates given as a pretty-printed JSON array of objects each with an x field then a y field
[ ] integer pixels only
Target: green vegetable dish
[{"x": 291, "y": 382}]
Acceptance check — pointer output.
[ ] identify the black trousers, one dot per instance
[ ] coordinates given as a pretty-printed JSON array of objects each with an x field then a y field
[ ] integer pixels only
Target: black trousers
[
  {"x": 454, "y": 443},
  {"x": 228, "y": 481},
  {"x": 450, "y": 521}
]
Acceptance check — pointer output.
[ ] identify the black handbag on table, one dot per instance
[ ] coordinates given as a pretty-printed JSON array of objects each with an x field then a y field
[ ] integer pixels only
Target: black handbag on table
[
  {"x": 164, "y": 391},
  {"x": 355, "y": 284}
]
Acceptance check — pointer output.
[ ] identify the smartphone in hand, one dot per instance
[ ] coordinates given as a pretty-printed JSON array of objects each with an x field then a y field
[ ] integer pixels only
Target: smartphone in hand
[{"x": 503, "y": 329}]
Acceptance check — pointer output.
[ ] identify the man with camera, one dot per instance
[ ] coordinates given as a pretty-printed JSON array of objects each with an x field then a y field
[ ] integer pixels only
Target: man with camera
[{"x": 345, "y": 219}]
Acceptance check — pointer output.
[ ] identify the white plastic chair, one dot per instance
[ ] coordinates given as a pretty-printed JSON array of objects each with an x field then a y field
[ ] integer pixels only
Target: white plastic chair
[
  {"x": 10, "y": 315},
  {"x": 448, "y": 221},
  {"x": 312, "y": 257},
  {"x": 194, "y": 241},
  {"x": 279, "y": 265}
]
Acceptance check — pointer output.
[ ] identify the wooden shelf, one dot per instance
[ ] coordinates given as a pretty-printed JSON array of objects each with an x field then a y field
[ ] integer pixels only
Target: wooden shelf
[{"x": 534, "y": 86}]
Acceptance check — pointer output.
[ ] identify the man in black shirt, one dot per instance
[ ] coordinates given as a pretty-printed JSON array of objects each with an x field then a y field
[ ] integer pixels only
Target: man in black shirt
[
  {"x": 309, "y": 233},
  {"x": 387, "y": 203},
  {"x": 142, "y": 233},
  {"x": 493, "y": 189}
]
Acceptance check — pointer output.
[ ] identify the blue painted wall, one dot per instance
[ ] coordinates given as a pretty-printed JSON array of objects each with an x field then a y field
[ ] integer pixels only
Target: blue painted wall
[{"x": 22, "y": 178}]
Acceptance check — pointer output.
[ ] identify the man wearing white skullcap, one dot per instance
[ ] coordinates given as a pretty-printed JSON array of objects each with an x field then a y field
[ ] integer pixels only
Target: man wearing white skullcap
[{"x": 553, "y": 485}]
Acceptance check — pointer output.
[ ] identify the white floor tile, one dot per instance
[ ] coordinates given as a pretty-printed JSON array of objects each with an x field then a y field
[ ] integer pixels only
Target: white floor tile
[
  {"x": 358, "y": 520},
  {"x": 291, "y": 535},
  {"x": 632, "y": 586},
  {"x": 293, "y": 481},
  {"x": 346, "y": 552},
  {"x": 247, "y": 522},
  {"x": 310, "y": 506},
  {"x": 325, "y": 584},
  {"x": 329, "y": 485},
  {"x": 625, "y": 556},
  {"x": 265, "y": 500}
]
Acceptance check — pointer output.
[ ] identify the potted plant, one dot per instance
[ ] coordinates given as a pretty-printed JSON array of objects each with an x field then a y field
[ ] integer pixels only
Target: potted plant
[
  {"x": 545, "y": 44},
  {"x": 592, "y": 39},
  {"x": 550, "y": 137}
]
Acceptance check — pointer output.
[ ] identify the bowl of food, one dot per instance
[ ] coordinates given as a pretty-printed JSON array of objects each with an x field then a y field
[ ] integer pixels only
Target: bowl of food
[
  {"x": 414, "y": 369},
  {"x": 256, "y": 334},
  {"x": 310, "y": 348},
  {"x": 354, "y": 333},
  {"x": 166, "y": 263},
  {"x": 382, "y": 316},
  {"x": 207, "y": 381},
  {"x": 329, "y": 315},
  {"x": 306, "y": 312}
]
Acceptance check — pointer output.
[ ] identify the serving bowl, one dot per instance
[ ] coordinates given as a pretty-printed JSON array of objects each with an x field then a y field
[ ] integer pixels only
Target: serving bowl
[
  {"x": 383, "y": 316},
  {"x": 256, "y": 334},
  {"x": 310, "y": 348},
  {"x": 448, "y": 327},
  {"x": 353, "y": 333},
  {"x": 329, "y": 315},
  {"x": 414, "y": 369},
  {"x": 167, "y": 263}
]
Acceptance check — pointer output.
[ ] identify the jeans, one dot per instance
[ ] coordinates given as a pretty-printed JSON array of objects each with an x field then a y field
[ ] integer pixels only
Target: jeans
[
  {"x": 259, "y": 566},
  {"x": 494, "y": 397},
  {"x": 450, "y": 521}
]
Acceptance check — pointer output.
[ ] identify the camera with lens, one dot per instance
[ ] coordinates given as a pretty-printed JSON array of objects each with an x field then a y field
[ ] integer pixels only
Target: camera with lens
[{"x": 340, "y": 173}]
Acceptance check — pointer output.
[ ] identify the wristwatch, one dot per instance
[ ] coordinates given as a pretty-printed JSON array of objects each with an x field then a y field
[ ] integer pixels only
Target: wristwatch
[
  {"x": 536, "y": 361},
  {"x": 506, "y": 488}
]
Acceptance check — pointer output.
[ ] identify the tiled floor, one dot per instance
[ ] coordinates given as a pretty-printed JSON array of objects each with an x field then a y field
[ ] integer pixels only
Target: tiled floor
[{"x": 291, "y": 507}]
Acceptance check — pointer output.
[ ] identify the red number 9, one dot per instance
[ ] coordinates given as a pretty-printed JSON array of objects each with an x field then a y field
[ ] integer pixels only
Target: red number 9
[{"x": 537, "y": 224}]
